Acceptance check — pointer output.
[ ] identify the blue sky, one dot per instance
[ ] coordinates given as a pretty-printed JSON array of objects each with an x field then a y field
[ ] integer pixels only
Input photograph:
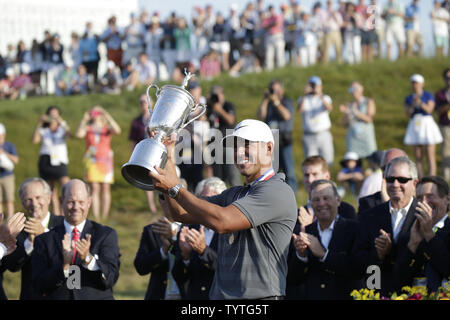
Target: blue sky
[{"x": 184, "y": 7}]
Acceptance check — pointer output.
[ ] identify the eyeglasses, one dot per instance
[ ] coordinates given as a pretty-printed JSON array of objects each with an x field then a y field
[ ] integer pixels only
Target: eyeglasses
[
  {"x": 142, "y": 101},
  {"x": 401, "y": 180}
]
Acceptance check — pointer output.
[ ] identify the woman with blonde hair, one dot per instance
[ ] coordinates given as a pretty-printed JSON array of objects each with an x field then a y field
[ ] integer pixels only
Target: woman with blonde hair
[{"x": 97, "y": 128}]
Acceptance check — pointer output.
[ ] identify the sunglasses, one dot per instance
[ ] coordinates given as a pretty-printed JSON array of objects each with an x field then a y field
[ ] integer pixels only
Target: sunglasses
[{"x": 401, "y": 180}]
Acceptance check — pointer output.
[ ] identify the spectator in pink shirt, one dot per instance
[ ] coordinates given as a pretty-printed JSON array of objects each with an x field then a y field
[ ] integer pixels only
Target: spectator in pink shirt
[
  {"x": 22, "y": 83},
  {"x": 210, "y": 65},
  {"x": 273, "y": 24}
]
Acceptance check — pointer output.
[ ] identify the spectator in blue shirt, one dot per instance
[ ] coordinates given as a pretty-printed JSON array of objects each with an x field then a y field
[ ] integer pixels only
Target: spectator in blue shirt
[
  {"x": 89, "y": 51},
  {"x": 412, "y": 28},
  {"x": 113, "y": 37}
]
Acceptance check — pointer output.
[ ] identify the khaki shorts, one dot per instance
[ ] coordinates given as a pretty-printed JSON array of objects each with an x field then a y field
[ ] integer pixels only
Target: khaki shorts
[{"x": 7, "y": 188}]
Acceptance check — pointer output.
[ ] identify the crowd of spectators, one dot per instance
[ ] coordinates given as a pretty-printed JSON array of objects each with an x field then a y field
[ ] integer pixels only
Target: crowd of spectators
[{"x": 259, "y": 37}]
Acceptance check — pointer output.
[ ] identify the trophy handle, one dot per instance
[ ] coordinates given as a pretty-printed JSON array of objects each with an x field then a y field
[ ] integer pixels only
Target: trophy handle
[
  {"x": 148, "y": 96},
  {"x": 200, "y": 105}
]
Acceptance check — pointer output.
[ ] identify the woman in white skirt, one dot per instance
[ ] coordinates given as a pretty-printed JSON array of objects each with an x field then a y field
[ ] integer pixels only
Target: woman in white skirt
[{"x": 422, "y": 132}]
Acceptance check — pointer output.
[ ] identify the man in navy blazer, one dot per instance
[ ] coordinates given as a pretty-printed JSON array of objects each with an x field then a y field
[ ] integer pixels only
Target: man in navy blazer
[
  {"x": 385, "y": 229},
  {"x": 196, "y": 260},
  {"x": 323, "y": 260},
  {"x": 427, "y": 259},
  {"x": 35, "y": 195},
  {"x": 377, "y": 198},
  {"x": 314, "y": 168},
  {"x": 77, "y": 244},
  {"x": 156, "y": 255}
]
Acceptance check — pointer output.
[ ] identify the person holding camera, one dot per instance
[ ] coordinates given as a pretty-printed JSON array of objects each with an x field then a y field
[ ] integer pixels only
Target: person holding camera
[
  {"x": 315, "y": 108},
  {"x": 8, "y": 158},
  {"x": 276, "y": 110},
  {"x": 52, "y": 131}
]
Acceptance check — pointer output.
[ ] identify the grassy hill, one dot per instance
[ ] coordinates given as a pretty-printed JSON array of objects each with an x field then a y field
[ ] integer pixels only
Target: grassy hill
[{"x": 386, "y": 82}]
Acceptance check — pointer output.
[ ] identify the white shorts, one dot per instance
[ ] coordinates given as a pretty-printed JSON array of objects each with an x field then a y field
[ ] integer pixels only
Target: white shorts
[
  {"x": 222, "y": 46},
  {"x": 397, "y": 31}
]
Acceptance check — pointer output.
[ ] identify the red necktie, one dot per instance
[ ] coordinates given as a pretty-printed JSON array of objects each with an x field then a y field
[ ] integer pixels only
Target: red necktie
[{"x": 75, "y": 237}]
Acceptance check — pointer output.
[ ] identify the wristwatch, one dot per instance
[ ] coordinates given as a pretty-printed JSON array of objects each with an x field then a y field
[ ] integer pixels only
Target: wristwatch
[
  {"x": 173, "y": 192},
  {"x": 88, "y": 259}
]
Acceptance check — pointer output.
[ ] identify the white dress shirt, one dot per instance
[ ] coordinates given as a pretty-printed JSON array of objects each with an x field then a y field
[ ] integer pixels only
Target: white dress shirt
[
  {"x": 172, "y": 290},
  {"x": 28, "y": 246},
  {"x": 2, "y": 250},
  {"x": 325, "y": 238},
  {"x": 398, "y": 217},
  {"x": 92, "y": 266},
  {"x": 440, "y": 223}
]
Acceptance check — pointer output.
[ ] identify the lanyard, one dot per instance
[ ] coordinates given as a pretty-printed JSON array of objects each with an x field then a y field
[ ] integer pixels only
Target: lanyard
[{"x": 264, "y": 177}]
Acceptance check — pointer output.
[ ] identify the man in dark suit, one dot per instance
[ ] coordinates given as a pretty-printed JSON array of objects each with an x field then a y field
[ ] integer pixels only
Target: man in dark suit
[
  {"x": 89, "y": 249},
  {"x": 323, "y": 260},
  {"x": 196, "y": 260},
  {"x": 35, "y": 195},
  {"x": 385, "y": 229},
  {"x": 314, "y": 168},
  {"x": 156, "y": 256},
  {"x": 427, "y": 259},
  {"x": 381, "y": 196}
]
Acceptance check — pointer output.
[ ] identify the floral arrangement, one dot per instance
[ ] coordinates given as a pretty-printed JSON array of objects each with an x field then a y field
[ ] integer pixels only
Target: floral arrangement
[{"x": 407, "y": 293}]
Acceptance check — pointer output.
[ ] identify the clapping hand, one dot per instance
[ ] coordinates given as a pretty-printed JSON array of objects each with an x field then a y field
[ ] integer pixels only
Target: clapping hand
[
  {"x": 383, "y": 244},
  {"x": 163, "y": 228},
  {"x": 424, "y": 215},
  {"x": 305, "y": 217},
  {"x": 313, "y": 244},
  {"x": 300, "y": 245},
  {"x": 68, "y": 250},
  {"x": 83, "y": 246},
  {"x": 185, "y": 247},
  {"x": 34, "y": 228},
  {"x": 196, "y": 239},
  {"x": 10, "y": 229}
]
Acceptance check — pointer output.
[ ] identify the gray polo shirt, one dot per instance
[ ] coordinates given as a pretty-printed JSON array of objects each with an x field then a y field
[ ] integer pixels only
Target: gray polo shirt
[{"x": 252, "y": 263}]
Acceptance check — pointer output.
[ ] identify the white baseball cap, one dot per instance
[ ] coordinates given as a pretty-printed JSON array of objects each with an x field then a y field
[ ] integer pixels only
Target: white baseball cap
[
  {"x": 417, "y": 78},
  {"x": 350, "y": 155},
  {"x": 252, "y": 130},
  {"x": 2, "y": 128}
]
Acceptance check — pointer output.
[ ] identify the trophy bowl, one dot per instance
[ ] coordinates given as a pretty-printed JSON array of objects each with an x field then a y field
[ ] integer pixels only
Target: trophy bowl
[{"x": 174, "y": 106}]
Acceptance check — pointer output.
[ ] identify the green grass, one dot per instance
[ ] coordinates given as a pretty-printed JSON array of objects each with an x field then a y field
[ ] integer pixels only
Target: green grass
[{"x": 386, "y": 82}]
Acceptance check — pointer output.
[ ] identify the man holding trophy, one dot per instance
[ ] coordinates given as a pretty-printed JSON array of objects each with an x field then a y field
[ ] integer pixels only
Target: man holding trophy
[{"x": 254, "y": 221}]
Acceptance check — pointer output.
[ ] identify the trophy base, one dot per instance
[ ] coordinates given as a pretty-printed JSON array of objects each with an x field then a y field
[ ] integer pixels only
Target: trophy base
[
  {"x": 146, "y": 155},
  {"x": 144, "y": 182}
]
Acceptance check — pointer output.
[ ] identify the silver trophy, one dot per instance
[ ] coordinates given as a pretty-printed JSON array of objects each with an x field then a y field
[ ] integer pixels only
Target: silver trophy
[{"x": 173, "y": 111}]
